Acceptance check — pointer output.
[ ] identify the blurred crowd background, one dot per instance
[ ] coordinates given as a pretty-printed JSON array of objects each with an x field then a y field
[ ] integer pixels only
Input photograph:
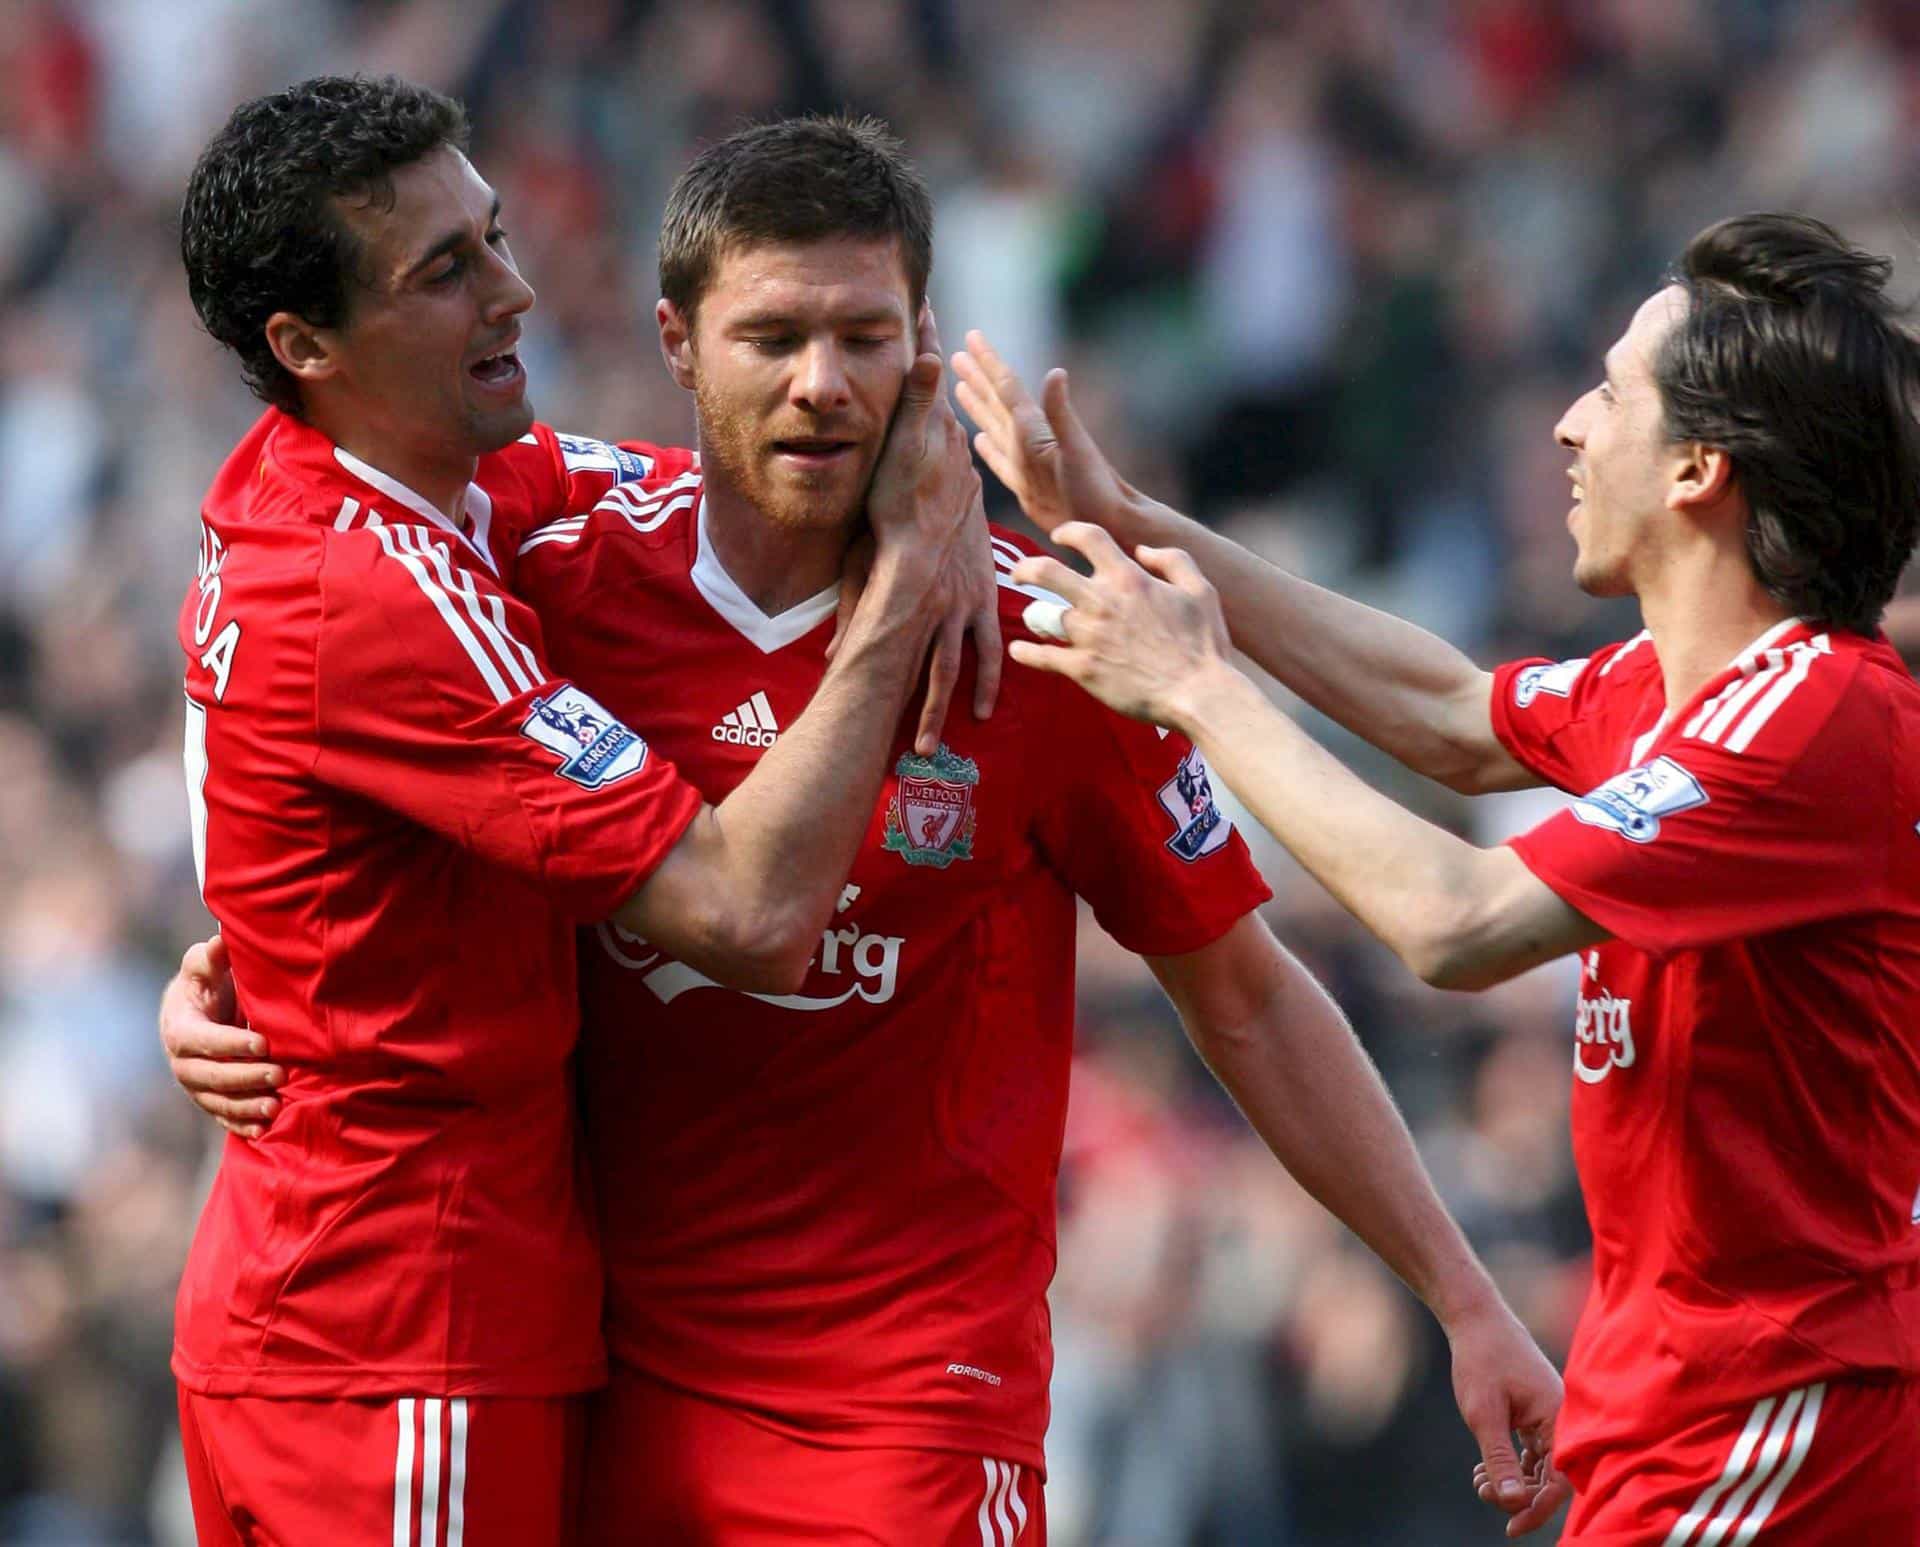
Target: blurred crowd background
[{"x": 1326, "y": 271}]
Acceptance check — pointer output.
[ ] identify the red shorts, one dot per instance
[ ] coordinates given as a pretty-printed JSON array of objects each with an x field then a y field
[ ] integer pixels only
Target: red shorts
[
  {"x": 1819, "y": 1466},
  {"x": 674, "y": 1470},
  {"x": 412, "y": 1471}
]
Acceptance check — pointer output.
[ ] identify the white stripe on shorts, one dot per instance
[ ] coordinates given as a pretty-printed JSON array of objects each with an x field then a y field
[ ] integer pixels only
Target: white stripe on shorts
[
  {"x": 998, "y": 1527},
  {"x": 1000, "y": 1519},
  {"x": 457, "y": 1474},
  {"x": 430, "y": 1472},
  {"x": 1778, "y": 1429},
  {"x": 1019, "y": 1507},
  {"x": 403, "y": 1477}
]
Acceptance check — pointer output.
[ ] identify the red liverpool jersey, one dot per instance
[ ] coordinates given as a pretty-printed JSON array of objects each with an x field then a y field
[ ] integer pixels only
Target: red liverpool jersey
[
  {"x": 1746, "y": 1101},
  {"x": 835, "y": 1208},
  {"x": 400, "y": 814}
]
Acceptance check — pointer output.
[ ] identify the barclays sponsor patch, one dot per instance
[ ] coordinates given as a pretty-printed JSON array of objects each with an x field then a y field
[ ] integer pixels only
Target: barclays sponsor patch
[
  {"x": 1199, "y": 828},
  {"x": 593, "y": 747},
  {"x": 583, "y": 455},
  {"x": 1555, "y": 679},
  {"x": 1632, "y": 804}
]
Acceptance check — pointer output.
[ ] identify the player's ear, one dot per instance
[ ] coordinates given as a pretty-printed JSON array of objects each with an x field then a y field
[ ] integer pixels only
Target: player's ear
[
  {"x": 676, "y": 342},
  {"x": 1702, "y": 476},
  {"x": 305, "y": 352}
]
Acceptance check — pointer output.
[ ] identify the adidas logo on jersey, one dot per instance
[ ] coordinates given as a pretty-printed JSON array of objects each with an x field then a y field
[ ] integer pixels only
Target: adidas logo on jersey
[{"x": 751, "y": 725}]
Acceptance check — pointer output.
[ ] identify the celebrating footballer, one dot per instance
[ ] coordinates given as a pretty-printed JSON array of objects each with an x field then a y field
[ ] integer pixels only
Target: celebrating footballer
[{"x": 822, "y": 1126}]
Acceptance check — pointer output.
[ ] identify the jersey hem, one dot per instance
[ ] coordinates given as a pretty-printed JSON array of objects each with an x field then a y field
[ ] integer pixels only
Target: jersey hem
[
  {"x": 1622, "y": 921},
  {"x": 636, "y": 878},
  {"x": 298, "y": 1380},
  {"x": 964, "y": 1439},
  {"x": 1202, "y": 934}
]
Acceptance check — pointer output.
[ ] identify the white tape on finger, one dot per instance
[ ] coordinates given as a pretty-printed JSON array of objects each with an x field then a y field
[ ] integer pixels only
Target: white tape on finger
[{"x": 1047, "y": 619}]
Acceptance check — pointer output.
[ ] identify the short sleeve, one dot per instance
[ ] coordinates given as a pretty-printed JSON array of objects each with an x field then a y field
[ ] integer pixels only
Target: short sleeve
[
  {"x": 547, "y": 474},
  {"x": 1136, "y": 831},
  {"x": 1548, "y": 713},
  {"x": 1709, "y": 842},
  {"x": 432, "y": 700}
]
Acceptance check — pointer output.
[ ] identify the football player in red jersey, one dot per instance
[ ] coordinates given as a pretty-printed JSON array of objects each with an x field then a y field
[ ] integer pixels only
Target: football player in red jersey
[
  {"x": 400, "y": 812},
  {"x": 828, "y": 1213},
  {"x": 1739, "y": 869}
]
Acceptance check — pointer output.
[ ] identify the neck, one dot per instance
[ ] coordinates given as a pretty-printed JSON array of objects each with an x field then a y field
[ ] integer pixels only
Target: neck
[
  {"x": 1701, "y": 613},
  {"x": 776, "y": 566},
  {"x": 439, "y": 479}
]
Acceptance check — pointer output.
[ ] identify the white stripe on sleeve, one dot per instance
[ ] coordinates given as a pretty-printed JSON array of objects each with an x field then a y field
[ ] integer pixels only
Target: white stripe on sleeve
[
  {"x": 1803, "y": 660},
  {"x": 508, "y": 651},
  {"x": 1742, "y": 695},
  {"x": 443, "y": 604},
  {"x": 566, "y": 530}
]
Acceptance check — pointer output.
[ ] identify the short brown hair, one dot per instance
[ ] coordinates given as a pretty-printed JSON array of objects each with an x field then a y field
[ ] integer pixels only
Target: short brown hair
[{"x": 806, "y": 179}]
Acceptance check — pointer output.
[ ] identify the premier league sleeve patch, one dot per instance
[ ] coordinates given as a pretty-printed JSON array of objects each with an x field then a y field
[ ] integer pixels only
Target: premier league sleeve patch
[
  {"x": 1556, "y": 680},
  {"x": 583, "y": 455},
  {"x": 1199, "y": 828},
  {"x": 1632, "y": 803},
  {"x": 593, "y": 747}
]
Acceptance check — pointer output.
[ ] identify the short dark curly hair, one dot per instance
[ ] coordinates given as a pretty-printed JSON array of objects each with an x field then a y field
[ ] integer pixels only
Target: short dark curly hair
[
  {"x": 1792, "y": 359},
  {"x": 259, "y": 233},
  {"x": 804, "y": 179}
]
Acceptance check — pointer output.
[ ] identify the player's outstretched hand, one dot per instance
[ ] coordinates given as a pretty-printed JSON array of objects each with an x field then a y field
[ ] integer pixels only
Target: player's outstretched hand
[
  {"x": 1041, "y": 451},
  {"x": 1505, "y": 1385},
  {"x": 926, "y": 512},
  {"x": 223, "y": 1067},
  {"x": 1138, "y": 636}
]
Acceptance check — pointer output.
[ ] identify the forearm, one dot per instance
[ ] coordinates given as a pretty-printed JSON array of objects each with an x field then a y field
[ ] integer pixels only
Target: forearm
[
  {"x": 1457, "y": 915},
  {"x": 794, "y": 827},
  {"x": 1407, "y": 691},
  {"x": 1309, "y": 1090},
  {"x": 746, "y": 893}
]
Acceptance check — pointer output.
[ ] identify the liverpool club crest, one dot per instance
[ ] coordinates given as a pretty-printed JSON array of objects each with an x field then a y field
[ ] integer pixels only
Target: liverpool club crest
[{"x": 930, "y": 818}]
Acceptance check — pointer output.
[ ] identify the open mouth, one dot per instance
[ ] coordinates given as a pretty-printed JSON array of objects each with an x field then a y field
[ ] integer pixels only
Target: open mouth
[
  {"x": 813, "y": 451},
  {"x": 501, "y": 370}
]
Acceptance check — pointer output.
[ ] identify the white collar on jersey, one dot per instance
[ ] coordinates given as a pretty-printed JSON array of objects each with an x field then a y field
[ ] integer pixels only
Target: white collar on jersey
[
  {"x": 478, "y": 503},
  {"x": 1752, "y": 653},
  {"x": 1744, "y": 661},
  {"x": 724, "y": 595}
]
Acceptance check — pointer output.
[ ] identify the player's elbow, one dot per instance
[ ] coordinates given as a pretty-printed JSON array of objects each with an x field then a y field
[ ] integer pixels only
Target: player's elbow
[
  {"x": 1477, "y": 771},
  {"x": 1456, "y": 969},
  {"x": 1465, "y": 776},
  {"x": 760, "y": 950},
  {"x": 1224, "y": 1042},
  {"x": 1458, "y": 746},
  {"x": 783, "y": 960},
  {"x": 1459, "y": 956}
]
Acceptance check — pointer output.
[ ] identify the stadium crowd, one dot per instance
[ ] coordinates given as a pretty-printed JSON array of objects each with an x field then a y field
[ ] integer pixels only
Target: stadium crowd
[{"x": 1326, "y": 274}]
